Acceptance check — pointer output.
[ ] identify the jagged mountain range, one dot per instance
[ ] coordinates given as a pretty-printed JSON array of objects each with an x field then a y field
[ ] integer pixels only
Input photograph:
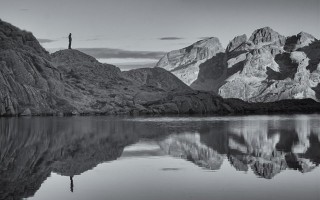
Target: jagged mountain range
[
  {"x": 34, "y": 82},
  {"x": 265, "y": 67}
]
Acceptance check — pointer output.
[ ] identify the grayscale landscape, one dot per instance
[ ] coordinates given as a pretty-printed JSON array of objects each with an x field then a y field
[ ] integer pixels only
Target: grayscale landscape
[{"x": 159, "y": 100}]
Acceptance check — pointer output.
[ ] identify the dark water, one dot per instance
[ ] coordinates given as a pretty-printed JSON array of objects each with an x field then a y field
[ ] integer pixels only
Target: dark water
[{"x": 200, "y": 158}]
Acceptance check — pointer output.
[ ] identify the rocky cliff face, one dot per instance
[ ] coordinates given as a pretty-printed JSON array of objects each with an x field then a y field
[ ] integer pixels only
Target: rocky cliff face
[
  {"x": 27, "y": 78},
  {"x": 264, "y": 68}
]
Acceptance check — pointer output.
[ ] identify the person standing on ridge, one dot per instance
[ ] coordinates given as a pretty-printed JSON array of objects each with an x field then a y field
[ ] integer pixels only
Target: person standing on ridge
[
  {"x": 70, "y": 40},
  {"x": 71, "y": 183}
]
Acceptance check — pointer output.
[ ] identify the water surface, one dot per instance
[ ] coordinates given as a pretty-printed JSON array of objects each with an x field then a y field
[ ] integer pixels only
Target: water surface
[{"x": 157, "y": 158}]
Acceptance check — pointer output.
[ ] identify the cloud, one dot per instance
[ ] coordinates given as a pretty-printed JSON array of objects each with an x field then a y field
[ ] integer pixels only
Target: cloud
[
  {"x": 92, "y": 39},
  {"x": 45, "y": 40},
  {"x": 95, "y": 38},
  {"x": 170, "y": 38},
  {"x": 24, "y": 9},
  {"x": 130, "y": 66},
  {"x": 120, "y": 53}
]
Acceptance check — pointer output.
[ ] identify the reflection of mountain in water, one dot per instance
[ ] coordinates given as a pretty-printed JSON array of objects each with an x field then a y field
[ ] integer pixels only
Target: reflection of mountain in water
[
  {"x": 267, "y": 147},
  {"x": 188, "y": 146},
  {"x": 32, "y": 148}
]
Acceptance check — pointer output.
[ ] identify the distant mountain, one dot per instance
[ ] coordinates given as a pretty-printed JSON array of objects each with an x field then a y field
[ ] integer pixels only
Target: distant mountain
[
  {"x": 184, "y": 63},
  {"x": 264, "y": 68}
]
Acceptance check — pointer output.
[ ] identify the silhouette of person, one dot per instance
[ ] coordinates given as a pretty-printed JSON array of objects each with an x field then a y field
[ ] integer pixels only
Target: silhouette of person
[
  {"x": 70, "y": 40},
  {"x": 71, "y": 183}
]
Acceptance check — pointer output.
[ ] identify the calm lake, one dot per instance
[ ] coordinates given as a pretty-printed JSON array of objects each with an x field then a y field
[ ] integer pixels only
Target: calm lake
[{"x": 158, "y": 158}]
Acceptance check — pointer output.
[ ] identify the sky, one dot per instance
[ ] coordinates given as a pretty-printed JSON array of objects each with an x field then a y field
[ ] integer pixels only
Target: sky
[{"x": 134, "y": 28}]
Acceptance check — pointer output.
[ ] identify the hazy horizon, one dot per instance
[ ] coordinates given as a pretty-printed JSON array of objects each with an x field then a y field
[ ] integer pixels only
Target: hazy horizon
[{"x": 139, "y": 26}]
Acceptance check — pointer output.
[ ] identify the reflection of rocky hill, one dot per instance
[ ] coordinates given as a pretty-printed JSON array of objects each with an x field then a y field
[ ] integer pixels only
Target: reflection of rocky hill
[{"x": 30, "y": 149}]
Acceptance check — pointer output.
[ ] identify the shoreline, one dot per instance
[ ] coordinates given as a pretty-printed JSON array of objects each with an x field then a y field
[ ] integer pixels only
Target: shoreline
[{"x": 248, "y": 113}]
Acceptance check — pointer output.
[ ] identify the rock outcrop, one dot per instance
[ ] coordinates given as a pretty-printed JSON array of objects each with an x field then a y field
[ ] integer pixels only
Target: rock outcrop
[{"x": 266, "y": 67}]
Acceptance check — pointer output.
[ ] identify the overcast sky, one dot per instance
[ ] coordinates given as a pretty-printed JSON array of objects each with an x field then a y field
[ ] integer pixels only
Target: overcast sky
[{"x": 155, "y": 25}]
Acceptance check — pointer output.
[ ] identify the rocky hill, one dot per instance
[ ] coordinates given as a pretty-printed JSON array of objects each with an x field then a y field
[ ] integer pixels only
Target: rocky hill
[
  {"x": 33, "y": 82},
  {"x": 266, "y": 67}
]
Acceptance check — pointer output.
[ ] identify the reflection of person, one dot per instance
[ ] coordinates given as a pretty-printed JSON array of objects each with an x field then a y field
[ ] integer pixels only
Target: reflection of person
[
  {"x": 71, "y": 183},
  {"x": 70, "y": 40}
]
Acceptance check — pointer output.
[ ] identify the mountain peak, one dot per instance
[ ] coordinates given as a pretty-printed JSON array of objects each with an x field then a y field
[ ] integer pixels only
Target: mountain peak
[
  {"x": 264, "y": 29},
  {"x": 206, "y": 43},
  {"x": 187, "y": 60},
  {"x": 267, "y": 35},
  {"x": 238, "y": 43},
  {"x": 209, "y": 39},
  {"x": 300, "y": 40},
  {"x": 302, "y": 33}
]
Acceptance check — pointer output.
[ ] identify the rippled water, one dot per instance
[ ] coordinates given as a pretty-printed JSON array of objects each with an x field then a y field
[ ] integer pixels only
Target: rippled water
[{"x": 157, "y": 158}]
